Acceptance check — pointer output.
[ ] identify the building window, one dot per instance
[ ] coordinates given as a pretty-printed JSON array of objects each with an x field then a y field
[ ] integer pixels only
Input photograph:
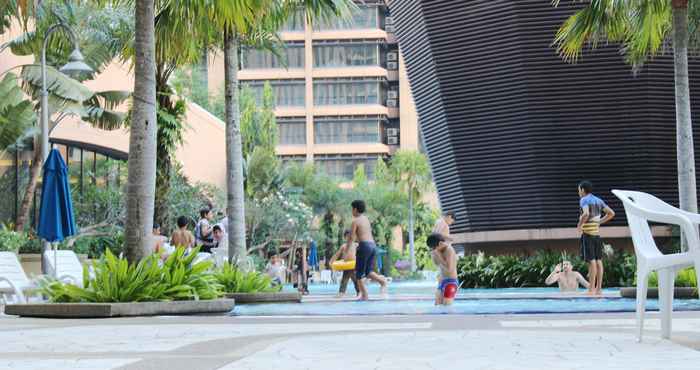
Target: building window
[
  {"x": 295, "y": 23},
  {"x": 288, "y": 93},
  {"x": 292, "y": 132},
  {"x": 347, "y": 92},
  {"x": 347, "y": 55},
  {"x": 346, "y": 131},
  {"x": 343, "y": 167},
  {"x": 292, "y": 54},
  {"x": 363, "y": 18}
]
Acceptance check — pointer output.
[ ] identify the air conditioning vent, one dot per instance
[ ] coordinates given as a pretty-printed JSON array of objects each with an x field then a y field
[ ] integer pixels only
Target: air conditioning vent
[
  {"x": 389, "y": 28},
  {"x": 392, "y": 140},
  {"x": 391, "y": 103},
  {"x": 392, "y": 56},
  {"x": 388, "y": 21},
  {"x": 392, "y": 132},
  {"x": 392, "y": 66},
  {"x": 392, "y": 94}
]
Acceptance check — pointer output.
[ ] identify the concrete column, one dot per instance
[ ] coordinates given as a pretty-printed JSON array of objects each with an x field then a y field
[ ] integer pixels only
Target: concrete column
[
  {"x": 408, "y": 116},
  {"x": 308, "y": 72}
]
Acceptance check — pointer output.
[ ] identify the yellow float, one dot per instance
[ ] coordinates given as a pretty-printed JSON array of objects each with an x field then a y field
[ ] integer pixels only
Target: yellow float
[{"x": 343, "y": 265}]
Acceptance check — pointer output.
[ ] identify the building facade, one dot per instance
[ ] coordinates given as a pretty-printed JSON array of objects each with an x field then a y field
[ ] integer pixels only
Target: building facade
[
  {"x": 510, "y": 128},
  {"x": 342, "y": 95}
]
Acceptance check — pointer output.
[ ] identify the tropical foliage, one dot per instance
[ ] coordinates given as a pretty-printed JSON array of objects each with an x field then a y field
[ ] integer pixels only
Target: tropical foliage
[
  {"x": 115, "y": 280},
  {"x": 508, "y": 271},
  {"x": 10, "y": 240},
  {"x": 235, "y": 280}
]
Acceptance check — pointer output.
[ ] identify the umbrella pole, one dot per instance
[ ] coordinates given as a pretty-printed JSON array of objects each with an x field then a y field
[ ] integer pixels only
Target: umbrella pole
[{"x": 55, "y": 260}]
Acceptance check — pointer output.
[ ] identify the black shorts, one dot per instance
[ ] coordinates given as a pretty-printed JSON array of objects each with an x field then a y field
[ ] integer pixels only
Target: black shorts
[
  {"x": 364, "y": 260},
  {"x": 591, "y": 247}
]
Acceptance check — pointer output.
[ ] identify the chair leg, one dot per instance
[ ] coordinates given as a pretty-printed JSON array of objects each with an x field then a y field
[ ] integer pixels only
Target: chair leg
[
  {"x": 666, "y": 278},
  {"x": 642, "y": 283}
]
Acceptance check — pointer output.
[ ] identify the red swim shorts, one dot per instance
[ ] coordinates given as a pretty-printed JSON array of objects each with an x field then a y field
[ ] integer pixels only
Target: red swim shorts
[{"x": 449, "y": 288}]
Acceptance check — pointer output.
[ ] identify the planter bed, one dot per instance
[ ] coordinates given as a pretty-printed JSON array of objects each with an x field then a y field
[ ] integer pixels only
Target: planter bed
[
  {"x": 681, "y": 293},
  {"x": 97, "y": 310},
  {"x": 242, "y": 298}
]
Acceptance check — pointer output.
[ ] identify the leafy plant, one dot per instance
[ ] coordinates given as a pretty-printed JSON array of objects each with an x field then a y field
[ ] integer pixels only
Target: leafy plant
[
  {"x": 11, "y": 241},
  {"x": 238, "y": 281},
  {"x": 686, "y": 278},
  {"x": 115, "y": 280}
]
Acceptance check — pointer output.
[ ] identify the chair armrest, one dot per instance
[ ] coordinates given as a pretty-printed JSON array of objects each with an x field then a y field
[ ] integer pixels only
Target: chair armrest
[
  {"x": 693, "y": 217},
  {"x": 681, "y": 219},
  {"x": 17, "y": 291}
]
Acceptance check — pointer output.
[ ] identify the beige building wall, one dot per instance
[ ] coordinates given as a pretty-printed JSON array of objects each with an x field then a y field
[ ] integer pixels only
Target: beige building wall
[{"x": 202, "y": 153}]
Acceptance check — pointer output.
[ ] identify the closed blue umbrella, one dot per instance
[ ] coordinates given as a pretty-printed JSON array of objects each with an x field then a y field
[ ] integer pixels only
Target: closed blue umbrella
[
  {"x": 313, "y": 255},
  {"x": 56, "y": 221}
]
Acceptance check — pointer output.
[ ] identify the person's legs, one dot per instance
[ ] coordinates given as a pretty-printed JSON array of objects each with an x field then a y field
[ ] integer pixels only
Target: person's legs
[
  {"x": 362, "y": 260},
  {"x": 344, "y": 282},
  {"x": 354, "y": 282},
  {"x": 449, "y": 292},
  {"x": 599, "y": 285},
  {"x": 592, "y": 276}
]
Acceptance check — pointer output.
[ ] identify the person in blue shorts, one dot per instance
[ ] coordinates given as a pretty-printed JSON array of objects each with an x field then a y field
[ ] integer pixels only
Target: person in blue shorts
[{"x": 592, "y": 210}]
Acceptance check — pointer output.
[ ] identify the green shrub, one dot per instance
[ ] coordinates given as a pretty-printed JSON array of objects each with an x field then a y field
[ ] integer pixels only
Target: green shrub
[
  {"x": 507, "y": 271},
  {"x": 686, "y": 278},
  {"x": 115, "y": 280},
  {"x": 10, "y": 240},
  {"x": 234, "y": 280}
]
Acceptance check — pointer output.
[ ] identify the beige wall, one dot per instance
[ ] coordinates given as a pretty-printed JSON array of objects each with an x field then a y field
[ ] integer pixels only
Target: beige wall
[{"x": 203, "y": 151}]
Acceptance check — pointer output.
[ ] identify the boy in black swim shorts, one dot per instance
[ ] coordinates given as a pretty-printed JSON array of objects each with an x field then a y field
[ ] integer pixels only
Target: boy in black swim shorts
[{"x": 592, "y": 208}]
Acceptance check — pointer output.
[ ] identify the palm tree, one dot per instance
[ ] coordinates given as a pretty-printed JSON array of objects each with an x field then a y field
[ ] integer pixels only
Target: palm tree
[
  {"x": 642, "y": 27},
  {"x": 253, "y": 22},
  {"x": 141, "y": 184},
  {"x": 410, "y": 170}
]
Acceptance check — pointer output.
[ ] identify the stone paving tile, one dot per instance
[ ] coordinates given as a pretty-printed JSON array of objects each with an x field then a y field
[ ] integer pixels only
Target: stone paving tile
[
  {"x": 58, "y": 364},
  {"x": 478, "y": 349},
  {"x": 162, "y": 337}
]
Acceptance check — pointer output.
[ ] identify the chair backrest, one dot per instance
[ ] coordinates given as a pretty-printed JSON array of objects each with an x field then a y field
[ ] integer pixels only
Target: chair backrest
[
  {"x": 66, "y": 263},
  {"x": 633, "y": 201},
  {"x": 12, "y": 270}
]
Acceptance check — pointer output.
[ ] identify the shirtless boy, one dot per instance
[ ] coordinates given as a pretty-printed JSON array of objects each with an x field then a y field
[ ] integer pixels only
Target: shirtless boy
[
  {"x": 346, "y": 253},
  {"x": 445, "y": 257},
  {"x": 361, "y": 230},
  {"x": 182, "y": 237},
  {"x": 568, "y": 279}
]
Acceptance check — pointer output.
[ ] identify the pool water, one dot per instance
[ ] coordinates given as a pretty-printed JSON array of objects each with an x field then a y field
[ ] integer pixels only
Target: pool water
[{"x": 415, "y": 298}]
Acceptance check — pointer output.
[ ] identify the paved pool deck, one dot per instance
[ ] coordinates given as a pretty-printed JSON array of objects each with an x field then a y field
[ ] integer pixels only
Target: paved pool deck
[{"x": 499, "y": 342}]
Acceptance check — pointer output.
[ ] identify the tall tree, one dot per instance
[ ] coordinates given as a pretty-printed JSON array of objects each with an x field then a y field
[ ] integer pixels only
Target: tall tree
[
  {"x": 254, "y": 22},
  {"x": 142, "y": 140},
  {"x": 411, "y": 171},
  {"x": 642, "y": 27}
]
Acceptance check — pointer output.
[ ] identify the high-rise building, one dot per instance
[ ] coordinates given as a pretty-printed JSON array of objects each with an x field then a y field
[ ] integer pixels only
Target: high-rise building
[{"x": 342, "y": 97}]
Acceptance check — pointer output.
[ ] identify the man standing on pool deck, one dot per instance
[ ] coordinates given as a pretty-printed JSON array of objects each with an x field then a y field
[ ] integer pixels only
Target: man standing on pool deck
[
  {"x": 589, "y": 223},
  {"x": 445, "y": 258},
  {"x": 361, "y": 230}
]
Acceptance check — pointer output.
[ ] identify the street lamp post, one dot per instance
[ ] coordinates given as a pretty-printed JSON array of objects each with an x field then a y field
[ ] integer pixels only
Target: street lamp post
[{"x": 75, "y": 65}]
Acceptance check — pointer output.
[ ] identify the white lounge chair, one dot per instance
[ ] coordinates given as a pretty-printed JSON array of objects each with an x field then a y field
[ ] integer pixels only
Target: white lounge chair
[
  {"x": 641, "y": 208},
  {"x": 14, "y": 283},
  {"x": 65, "y": 266},
  {"x": 326, "y": 277}
]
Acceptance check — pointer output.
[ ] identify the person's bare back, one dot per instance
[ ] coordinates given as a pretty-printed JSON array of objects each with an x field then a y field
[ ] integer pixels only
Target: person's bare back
[
  {"x": 362, "y": 228},
  {"x": 182, "y": 238}
]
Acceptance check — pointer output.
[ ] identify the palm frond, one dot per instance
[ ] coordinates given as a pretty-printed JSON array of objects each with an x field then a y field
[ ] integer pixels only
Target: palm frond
[
  {"x": 16, "y": 114},
  {"x": 57, "y": 83}
]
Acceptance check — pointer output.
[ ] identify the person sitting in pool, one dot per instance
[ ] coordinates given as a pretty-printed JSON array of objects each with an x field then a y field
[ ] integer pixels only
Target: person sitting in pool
[
  {"x": 445, "y": 257},
  {"x": 346, "y": 253},
  {"x": 568, "y": 279}
]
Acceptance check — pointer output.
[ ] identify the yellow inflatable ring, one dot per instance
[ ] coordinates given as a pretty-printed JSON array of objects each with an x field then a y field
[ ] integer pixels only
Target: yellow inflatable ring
[{"x": 343, "y": 265}]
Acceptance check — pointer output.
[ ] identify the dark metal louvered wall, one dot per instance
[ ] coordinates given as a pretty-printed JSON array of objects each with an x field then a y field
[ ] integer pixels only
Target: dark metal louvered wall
[{"x": 510, "y": 128}]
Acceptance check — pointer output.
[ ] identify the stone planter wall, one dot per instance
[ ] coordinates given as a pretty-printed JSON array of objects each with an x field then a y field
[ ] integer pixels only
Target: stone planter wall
[
  {"x": 678, "y": 293},
  {"x": 97, "y": 310}
]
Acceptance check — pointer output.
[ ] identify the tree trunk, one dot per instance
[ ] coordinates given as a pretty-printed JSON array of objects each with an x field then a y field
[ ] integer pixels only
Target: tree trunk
[
  {"x": 140, "y": 188},
  {"x": 202, "y": 80},
  {"x": 34, "y": 173},
  {"x": 411, "y": 235},
  {"x": 235, "y": 210},
  {"x": 687, "y": 191}
]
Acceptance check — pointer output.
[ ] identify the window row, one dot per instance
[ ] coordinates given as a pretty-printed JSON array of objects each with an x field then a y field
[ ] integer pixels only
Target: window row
[
  {"x": 344, "y": 168},
  {"x": 336, "y": 131},
  {"x": 333, "y": 92},
  {"x": 290, "y": 93},
  {"x": 291, "y": 54}
]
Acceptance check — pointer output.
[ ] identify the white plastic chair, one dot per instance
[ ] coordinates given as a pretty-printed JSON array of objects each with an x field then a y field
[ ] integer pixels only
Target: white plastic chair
[
  {"x": 14, "y": 283},
  {"x": 326, "y": 277},
  {"x": 65, "y": 266},
  {"x": 641, "y": 208}
]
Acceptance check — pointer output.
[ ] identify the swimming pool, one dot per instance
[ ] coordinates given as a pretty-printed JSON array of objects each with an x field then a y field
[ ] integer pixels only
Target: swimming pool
[{"x": 415, "y": 298}]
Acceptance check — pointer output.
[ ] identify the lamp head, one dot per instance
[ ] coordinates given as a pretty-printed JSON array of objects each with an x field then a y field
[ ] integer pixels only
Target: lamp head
[{"x": 76, "y": 65}]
